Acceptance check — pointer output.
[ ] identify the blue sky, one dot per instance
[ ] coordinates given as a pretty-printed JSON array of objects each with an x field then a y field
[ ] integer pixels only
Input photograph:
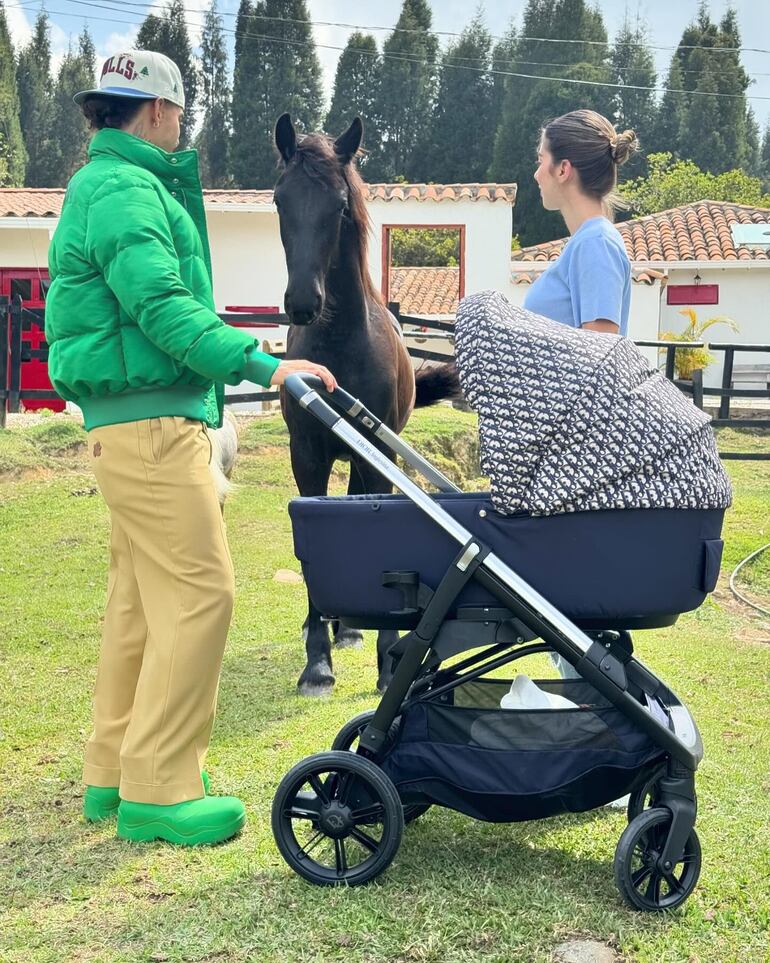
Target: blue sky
[{"x": 114, "y": 24}]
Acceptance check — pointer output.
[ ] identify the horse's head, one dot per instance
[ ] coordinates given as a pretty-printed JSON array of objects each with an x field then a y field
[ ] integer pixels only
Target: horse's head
[{"x": 314, "y": 194}]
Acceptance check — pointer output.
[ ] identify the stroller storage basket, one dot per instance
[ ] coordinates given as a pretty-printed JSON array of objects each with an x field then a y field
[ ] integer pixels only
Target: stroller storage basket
[{"x": 464, "y": 752}]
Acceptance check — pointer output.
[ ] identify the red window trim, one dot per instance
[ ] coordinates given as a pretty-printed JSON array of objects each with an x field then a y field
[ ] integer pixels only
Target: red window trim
[{"x": 386, "y": 247}]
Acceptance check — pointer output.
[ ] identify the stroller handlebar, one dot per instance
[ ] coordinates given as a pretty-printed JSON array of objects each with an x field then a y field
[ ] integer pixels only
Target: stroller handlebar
[{"x": 329, "y": 406}]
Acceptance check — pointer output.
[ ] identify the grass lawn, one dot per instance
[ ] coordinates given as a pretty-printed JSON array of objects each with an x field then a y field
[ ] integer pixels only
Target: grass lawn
[{"x": 458, "y": 891}]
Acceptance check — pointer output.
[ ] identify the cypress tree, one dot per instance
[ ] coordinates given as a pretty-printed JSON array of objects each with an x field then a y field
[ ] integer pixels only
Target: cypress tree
[
  {"x": 213, "y": 141},
  {"x": 530, "y": 103},
  {"x": 12, "y": 153},
  {"x": 276, "y": 70},
  {"x": 463, "y": 124},
  {"x": 407, "y": 91},
  {"x": 69, "y": 130},
  {"x": 356, "y": 92},
  {"x": 632, "y": 65},
  {"x": 503, "y": 62},
  {"x": 36, "y": 108},
  {"x": 167, "y": 34}
]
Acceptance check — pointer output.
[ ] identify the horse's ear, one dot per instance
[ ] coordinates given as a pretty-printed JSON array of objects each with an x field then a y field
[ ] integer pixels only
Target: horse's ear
[
  {"x": 285, "y": 137},
  {"x": 347, "y": 144}
]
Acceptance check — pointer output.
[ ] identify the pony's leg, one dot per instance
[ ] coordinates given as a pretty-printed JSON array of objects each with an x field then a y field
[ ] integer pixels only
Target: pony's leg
[
  {"x": 344, "y": 637},
  {"x": 372, "y": 482},
  {"x": 311, "y": 473}
]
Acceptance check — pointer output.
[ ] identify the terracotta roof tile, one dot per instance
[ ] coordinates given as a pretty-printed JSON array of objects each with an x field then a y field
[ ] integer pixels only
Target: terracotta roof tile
[
  {"x": 425, "y": 290},
  {"x": 38, "y": 202},
  {"x": 692, "y": 232}
]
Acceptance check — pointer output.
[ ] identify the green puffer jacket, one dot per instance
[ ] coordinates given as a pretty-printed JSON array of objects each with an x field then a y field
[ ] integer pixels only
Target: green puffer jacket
[{"x": 130, "y": 315}]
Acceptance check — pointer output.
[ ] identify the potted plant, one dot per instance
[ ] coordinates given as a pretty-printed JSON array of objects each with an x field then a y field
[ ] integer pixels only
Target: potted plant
[{"x": 687, "y": 360}]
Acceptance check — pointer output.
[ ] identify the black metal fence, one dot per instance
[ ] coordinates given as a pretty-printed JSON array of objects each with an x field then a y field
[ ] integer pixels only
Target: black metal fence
[{"x": 15, "y": 318}]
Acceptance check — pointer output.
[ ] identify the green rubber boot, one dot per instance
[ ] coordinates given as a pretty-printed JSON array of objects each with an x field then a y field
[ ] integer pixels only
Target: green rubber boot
[
  {"x": 197, "y": 822},
  {"x": 101, "y": 802}
]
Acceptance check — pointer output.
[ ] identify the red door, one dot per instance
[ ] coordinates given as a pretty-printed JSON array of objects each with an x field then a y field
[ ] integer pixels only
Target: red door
[{"x": 32, "y": 286}]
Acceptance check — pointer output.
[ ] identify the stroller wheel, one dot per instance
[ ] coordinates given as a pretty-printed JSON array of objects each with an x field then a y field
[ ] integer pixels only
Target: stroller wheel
[
  {"x": 346, "y": 740},
  {"x": 337, "y": 819},
  {"x": 648, "y": 795},
  {"x": 641, "y": 884}
]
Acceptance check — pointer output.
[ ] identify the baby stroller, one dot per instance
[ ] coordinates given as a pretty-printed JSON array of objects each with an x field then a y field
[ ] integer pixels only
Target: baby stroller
[{"x": 478, "y": 581}]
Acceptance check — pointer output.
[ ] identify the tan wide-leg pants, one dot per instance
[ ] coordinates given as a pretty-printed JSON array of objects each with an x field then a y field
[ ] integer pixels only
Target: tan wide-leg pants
[{"x": 169, "y": 603}]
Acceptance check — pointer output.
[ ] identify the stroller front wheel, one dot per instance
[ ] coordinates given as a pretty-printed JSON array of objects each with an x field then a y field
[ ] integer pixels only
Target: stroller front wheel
[
  {"x": 347, "y": 738},
  {"x": 337, "y": 819},
  {"x": 641, "y": 884}
]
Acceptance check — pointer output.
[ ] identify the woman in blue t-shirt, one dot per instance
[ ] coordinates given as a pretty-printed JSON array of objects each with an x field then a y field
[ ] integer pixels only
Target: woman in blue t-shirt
[{"x": 589, "y": 286}]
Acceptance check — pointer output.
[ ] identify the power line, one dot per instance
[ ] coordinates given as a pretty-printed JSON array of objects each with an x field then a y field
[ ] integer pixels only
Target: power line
[
  {"x": 416, "y": 60},
  {"x": 449, "y": 33}
]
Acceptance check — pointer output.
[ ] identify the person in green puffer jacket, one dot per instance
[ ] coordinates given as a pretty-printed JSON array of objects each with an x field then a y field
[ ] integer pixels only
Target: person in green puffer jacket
[{"x": 135, "y": 342}]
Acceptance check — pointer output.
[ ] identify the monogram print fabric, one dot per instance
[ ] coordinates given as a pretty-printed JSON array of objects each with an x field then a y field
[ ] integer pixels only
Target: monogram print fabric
[{"x": 573, "y": 420}]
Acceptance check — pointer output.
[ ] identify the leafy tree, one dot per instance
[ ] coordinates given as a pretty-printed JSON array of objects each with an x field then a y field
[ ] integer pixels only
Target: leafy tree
[
  {"x": 69, "y": 131},
  {"x": 12, "y": 153},
  {"x": 167, "y": 34},
  {"x": 213, "y": 140},
  {"x": 407, "y": 91},
  {"x": 36, "y": 107},
  {"x": 356, "y": 92},
  {"x": 673, "y": 182},
  {"x": 503, "y": 62},
  {"x": 461, "y": 145},
  {"x": 424, "y": 247}
]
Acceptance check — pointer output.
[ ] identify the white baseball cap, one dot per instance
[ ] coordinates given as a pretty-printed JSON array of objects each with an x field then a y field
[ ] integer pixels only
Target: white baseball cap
[{"x": 139, "y": 73}]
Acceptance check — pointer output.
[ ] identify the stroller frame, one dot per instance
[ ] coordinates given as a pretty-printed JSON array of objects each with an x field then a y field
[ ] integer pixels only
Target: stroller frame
[{"x": 604, "y": 659}]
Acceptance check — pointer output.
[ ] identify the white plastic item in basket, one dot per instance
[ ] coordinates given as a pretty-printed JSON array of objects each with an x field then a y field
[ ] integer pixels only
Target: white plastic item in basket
[{"x": 525, "y": 694}]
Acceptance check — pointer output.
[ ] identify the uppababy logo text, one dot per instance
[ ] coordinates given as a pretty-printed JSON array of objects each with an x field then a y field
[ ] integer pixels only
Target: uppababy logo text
[{"x": 121, "y": 65}]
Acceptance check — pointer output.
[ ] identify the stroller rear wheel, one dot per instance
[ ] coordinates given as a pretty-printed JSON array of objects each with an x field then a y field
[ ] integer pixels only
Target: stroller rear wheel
[
  {"x": 346, "y": 740},
  {"x": 641, "y": 884},
  {"x": 337, "y": 819}
]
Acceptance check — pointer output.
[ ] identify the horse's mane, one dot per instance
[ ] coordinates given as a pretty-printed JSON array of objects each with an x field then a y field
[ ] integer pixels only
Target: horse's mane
[{"x": 316, "y": 155}]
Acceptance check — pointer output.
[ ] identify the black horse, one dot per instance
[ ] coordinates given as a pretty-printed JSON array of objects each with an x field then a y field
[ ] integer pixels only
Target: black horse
[{"x": 338, "y": 319}]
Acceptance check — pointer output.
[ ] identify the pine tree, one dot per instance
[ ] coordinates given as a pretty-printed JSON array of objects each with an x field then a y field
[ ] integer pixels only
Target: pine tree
[
  {"x": 529, "y": 103},
  {"x": 633, "y": 66},
  {"x": 503, "y": 62},
  {"x": 12, "y": 153},
  {"x": 711, "y": 67},
  {"x": 764, "y": 160},
  {"x": 356, "y": 92},
  {"x": 36, "y": 109},
  {"x": 167, "y": 34},
  {"x": 69, "y": 132},
  {"x": 461, "y": 143},
  {"x": 670, "y": 119},
  {"x": 276, "y": 70},
  {"x": 213, "y": 141},
  {"x": 407, "y": 91}
]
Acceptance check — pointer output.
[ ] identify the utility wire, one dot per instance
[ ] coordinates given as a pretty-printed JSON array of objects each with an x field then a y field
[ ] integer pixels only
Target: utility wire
[
  {"x": 416, "y": 60},
  {"x": 450, "y": 33}
]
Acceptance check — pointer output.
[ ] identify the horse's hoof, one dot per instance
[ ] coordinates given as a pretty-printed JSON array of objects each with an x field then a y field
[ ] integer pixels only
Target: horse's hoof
[
  {"x": 316, "y": 682},
  {"x": 315, "y": 690},
  {"x": 349, "y": 639}
]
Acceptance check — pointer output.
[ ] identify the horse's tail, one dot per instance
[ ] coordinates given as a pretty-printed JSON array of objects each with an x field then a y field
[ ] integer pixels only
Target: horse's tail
[{"x": 437, "y": 383}]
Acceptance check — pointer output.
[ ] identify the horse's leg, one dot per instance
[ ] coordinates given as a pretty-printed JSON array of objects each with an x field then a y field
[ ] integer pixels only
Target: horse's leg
[
  {"x": 345, "y": 637},
  {"x": 372, "y": 482},
  {"x": 311, "y": 470}
]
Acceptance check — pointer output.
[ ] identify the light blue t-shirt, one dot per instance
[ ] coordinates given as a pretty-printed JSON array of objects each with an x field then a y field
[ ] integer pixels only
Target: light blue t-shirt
[{"x": 590, "y": 280}]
